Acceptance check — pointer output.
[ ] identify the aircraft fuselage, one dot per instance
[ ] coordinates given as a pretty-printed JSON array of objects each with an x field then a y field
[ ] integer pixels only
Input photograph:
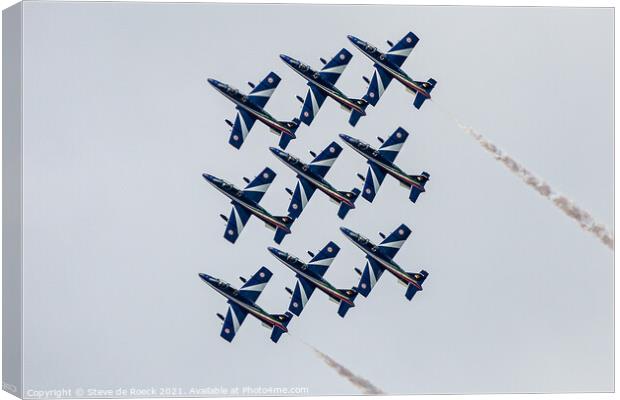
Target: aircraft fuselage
[
  {"x": 303, "y": 170},
  {"x": 233, "y": 296},
  {"x": 301, "y": 269},
  {"x": 372, "y": 154},
  {"x": 241, "y": 101},
  {"x": 396, "y": 72},
  {"x": 372, "y": 252},
  {"x": 314, "y": 78},
  {"x": 236, "y": 195}
]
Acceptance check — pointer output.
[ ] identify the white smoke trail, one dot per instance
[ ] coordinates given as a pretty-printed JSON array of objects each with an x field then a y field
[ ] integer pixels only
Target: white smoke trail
[
  {"x": 583, "y": 218},
  {"x": 364, "y": 385}
]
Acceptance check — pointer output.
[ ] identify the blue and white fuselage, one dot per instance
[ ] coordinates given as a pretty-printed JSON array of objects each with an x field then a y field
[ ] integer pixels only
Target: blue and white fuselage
[
  {"x": 241, "y": 101},
  {"x": 320, "y": 183},
  {"x": 372, "y": 251},
  {"x": 301, "y": 269},
  {"x": 395, "y": 71},
  {"x": 373, "y": 155},
  {"x": 313, "y": 77},
  {"x": 237, "y": 196},
  {"x": 233, "y": 296}
]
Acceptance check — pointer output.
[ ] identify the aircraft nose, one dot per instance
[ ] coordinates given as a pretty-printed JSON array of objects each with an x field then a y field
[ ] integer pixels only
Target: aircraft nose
[
  {"x": 273, "y": 250},
  {"x": 204, "y": 277},
  {"x": 352, "y": 38},
  {"x": 276, "y": 151},
  {"x": 346, "y": 138},
  {"x": 286, "y": 58},
  {"x": 208, "y": 177},
  {"x": 213, "y": 81},
  {"x": 346, "y": 231}
]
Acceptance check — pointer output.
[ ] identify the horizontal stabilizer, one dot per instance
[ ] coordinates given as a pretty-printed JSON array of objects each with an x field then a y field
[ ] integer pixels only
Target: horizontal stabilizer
[
  {"x": 418, "y": 187},
  {"x": 420, "y": 98},
  {"x": 344, "y": 306},
  {"x": 413, "y": 289},
  {"x": 356, "y": 115},
  {"x": 285, "y": 138},
  {"x": 344, "y": 207},
  {"x": 281, "y": 233},
  {"x": 284, "y": 319}
]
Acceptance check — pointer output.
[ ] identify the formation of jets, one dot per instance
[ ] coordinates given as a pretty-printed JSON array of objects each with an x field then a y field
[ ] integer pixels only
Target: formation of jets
[{"x": 311, "y": 176}]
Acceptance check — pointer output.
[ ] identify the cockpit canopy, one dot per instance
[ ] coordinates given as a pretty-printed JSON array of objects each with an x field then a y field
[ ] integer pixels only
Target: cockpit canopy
[
  {"x": 370, "y": 48},
  {"x": 304, "y": 67},
  {"x": 292, "y": 160},
  {"x": 362, "y": 145},
  {"x": 231, "y": 90},
  {"x": 291, "y": 259}
]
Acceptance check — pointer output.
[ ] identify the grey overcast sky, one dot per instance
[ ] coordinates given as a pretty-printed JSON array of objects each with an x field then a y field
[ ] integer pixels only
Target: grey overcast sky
[{"x": 119, "y": 124}]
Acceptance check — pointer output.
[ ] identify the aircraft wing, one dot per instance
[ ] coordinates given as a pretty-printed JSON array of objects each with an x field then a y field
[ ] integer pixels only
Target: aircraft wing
[
  {"x": 302, "y": 194},
  {"x": 303, "y": 290},
  {"x": 234, "y": 318},
  {"x": 380, "y": 81},
  {"x": 323, "y": 162},
  {"x": 243, "y": 123},
  {"x": 401, "y": 50},
  {"x": 370, "y": 276},
  {"x": 390, "y": 148},
  {"x": 314, "y": 100},
  {"x": 255, "y": 190},
  {"x": 391, "y": 244},
  {"x": 334, "y": 68},
  {"x": 239, "y": 216},
  {"x": 373, "y": 181},
  {"x": 261, "y": 94},
  {"x": 321, "y": 262},
  {"x": 254, "y": 286}
]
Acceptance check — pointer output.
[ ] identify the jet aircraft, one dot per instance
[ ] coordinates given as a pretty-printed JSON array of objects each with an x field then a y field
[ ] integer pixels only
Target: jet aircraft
[
  {"x": 322, "y": 85},
  {"x": 245, "y": 204},
  {"x": 380, "y": 259},
  {"x": 388, "y": 67},
  {"x": 310, "y": 277},
  {"x": 250, "y": 108},
  {"x": 381, "y": 162},
  {"x": 243, "y": 302},
  {"x": 312, "y": 176}
]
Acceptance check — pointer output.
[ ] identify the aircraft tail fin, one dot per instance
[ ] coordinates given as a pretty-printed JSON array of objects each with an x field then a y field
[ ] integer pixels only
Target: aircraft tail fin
[
  {"x": 344, "y": 207},
  {"x": 285, "y": 138},
  {"x": 419, "y": 97},
  {"x": 356, "y": 115},
  {"x": 418, "y": 187},
  {"x": 277, "y": 331},
  {"x": 280, "y": 232},
  {"x": 344, "y": 306},
  {"x": 413, "y": 289}
]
